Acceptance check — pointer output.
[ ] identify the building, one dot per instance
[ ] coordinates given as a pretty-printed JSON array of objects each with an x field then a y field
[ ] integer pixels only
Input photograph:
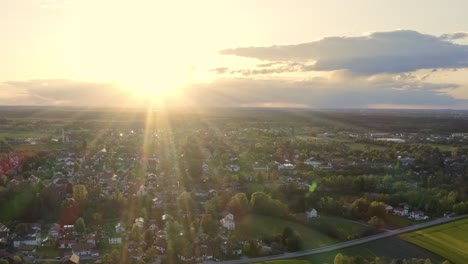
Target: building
[
  {"x": 73, "y": 259},
  {"x": 228, "y": 222},
  {"x": 115, "y": 240},
  {"x": 311, "y": 214}
]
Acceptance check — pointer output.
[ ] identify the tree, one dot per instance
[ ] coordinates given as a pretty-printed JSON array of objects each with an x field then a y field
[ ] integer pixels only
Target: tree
[
  {"x": 376, "y": 222},
  {"x": 80, "y": 225},
  {"x": 239, "y": 204},
  {"x": 80, "y": 193},
  {"x": 17, "y": 259},
  {"x": 151, "y": 254},
  {"x": 209, "y": 225},
  {"x": 186, "y": 203},
  {"x": 148, "y": 237},
  {"x": 21, "y": 229},
  {"x": 135, "y": 234},
  {"x": 377, "y": 209},
  {"x": 214, "y": 205}
]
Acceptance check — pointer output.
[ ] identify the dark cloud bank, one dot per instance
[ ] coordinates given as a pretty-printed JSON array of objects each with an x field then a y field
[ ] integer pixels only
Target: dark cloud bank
[{"x": 370, "y": 70}]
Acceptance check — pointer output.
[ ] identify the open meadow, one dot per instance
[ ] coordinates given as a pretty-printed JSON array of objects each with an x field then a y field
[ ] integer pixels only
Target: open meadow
[{"x": 448, "y": 240}]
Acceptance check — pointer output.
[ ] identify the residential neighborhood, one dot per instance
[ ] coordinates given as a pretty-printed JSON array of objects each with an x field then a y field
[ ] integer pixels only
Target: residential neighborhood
[{"x": 131, "y": 191}]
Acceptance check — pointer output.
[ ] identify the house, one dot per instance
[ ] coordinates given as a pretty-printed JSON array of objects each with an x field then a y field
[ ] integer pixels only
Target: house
[
  {"x": 312, "y": 162},
  {"x": 91, "y": 239},
  {"x": 286, "y": 166},
  {"x": 152, "y": 225},
  {"x": 400, "y": 211},
  {"x": 66, "y": 243},
  {"x": 142, "y": 191},
  {"x": 82, "y": 249},
  {"x": 115, "y": 240},
  {"x": 389, "y": 208},
  {"x": 259, "y": 167},
  {"x": 4, "y": 231},
  {"x": 55, "y": 230},
  {"x": 157, "y": 203},
  {"x": 205, "y": 167},
  {"x": 73, "y": 259},
  {"x": 26, "y": 249},
  {"x": 418, "y": 215},
  {"x": 212, "y": 193},
  {"x": 233, "y": 168},
  {"x": 120, "y": 228},
  {"x": 31, "y": 240},
  {"x": 140, "y": 222},
  {"x": 228, "y": 222},
  {"x": 406, "y": 161},
  {"x": 311, "y": 214}
]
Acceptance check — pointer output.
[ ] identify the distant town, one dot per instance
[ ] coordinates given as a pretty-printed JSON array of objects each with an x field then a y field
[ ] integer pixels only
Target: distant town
[{"x": 239, "y": 184}]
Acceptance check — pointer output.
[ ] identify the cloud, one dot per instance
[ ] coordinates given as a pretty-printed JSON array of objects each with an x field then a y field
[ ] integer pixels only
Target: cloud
[
  {"x": 380, "y": 52},
  {"x": 454, "y": 36},
  {"x": 61, "y": 92},
  {"x": 220, "y": 70},
  {"x": 270, "y": 68},
  {"x": 349, "y": 92}
]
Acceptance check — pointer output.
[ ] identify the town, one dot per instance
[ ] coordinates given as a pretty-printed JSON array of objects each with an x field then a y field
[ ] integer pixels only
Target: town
[{"x": 177, "y": 188}]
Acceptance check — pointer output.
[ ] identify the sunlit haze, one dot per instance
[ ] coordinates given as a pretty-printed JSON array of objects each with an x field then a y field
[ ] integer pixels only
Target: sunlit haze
[{"x": 314, "y": 54}]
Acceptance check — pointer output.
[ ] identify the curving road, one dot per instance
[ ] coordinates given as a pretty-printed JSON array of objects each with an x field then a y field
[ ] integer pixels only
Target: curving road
[{"x": 347, "y": 243}]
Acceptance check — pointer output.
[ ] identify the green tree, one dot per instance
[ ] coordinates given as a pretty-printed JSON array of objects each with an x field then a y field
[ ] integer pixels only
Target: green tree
[
  {"x": 151, "y": 254},
  {"x": 80, "y": 225},
  {"x": 376, "y": 222},
  {"x": 377, "y": 209},
  {"x": 21, "y": 229},
  {"x": 17, "y": 259},
  {"x": 135, "y": 233},
  {"x": 80, "y": 193},
  {"x": 239, "y": 204},
  {"x": 148, "y": 237}
]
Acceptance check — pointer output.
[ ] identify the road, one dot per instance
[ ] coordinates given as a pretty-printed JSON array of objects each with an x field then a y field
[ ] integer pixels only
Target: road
[{"x": 347, "y": 243}]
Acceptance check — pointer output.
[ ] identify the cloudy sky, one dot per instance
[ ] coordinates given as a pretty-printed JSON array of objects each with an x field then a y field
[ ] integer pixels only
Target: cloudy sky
[{"x": 318, "y": 54}]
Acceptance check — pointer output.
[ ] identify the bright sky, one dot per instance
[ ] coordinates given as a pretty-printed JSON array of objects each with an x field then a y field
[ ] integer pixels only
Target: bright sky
[{"x": 154, "y": 47}]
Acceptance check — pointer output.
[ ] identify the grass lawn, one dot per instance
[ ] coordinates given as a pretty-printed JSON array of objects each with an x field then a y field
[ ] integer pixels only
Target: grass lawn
[
  {"x": 390, "y": 248},
  {"x": 394, "y": 221},
  {"x": 286, "y": 261},
  {"x": 252, "y": 226},
  {"x": 448, "y": 240},
  {"x": 347, "y": 229}
]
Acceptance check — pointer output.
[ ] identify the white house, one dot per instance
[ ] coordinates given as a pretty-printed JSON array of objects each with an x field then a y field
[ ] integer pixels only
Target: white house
[
  {"x": 311, "y": 214},
  {"x": 82, "y": 249},
  {"x": 228, "y": 222},
  {"x": 120, "y": 228},
  {"x": 30, "y": 240},
  {"x": 312, "y": 162},
  {"x": 140, "y": 222},
  {"x": 115, "y": 240},
  {"x": 400, "y": 211},
  {"x": 389, "y": 208},
  {"x": 152, "y": 225},
  {"x": 418, "y": 215},
  {"x": 286, "y": 166},
  {"x": 233, "y": 168},
  {"x": 142, "y": 191}
]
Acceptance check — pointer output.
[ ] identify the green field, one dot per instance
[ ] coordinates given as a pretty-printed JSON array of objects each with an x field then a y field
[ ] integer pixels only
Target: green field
[
  {"x": 389, "y": 248},
  {"x": 346, "y": 229},
  {"x": 448, "y": 240},
  {"x": 286, "y": 261},
  {"x": 252, "y": 226}
]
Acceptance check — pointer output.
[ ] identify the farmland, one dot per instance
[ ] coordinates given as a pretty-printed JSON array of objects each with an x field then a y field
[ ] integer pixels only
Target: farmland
[
  {"x": 448, "y": 240},
  {"x": 258, "y": 225},
  {"x": 389, "y": 248}
]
